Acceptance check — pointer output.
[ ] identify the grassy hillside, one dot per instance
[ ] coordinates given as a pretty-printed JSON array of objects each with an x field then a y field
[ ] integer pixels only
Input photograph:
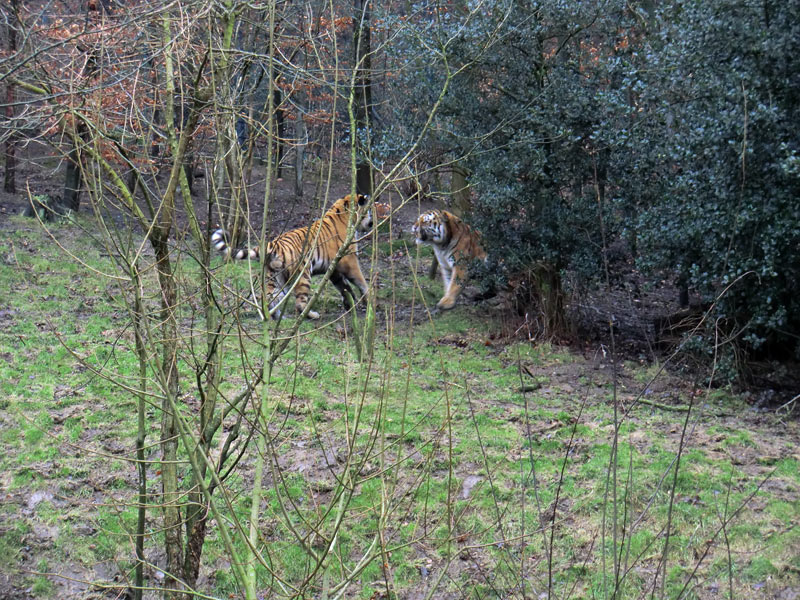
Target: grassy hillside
[{"x": 461, "y": 463}]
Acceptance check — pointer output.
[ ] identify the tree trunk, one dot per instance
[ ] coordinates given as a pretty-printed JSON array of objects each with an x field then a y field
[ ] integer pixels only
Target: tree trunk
[
  {"x": 169, "y": 430},
  {"x": 196, "y": 524},
  {"x": 280, "y": 135},
  {"x": 362, "y": 93},
  {"x": 545, "y": 300},
  {"x": 299, "y": 152},
  {"x": 459, "y": 190},
  {"x": 197, "y": 509},
  {"x": 9, "y": 181},
  {"x": 72, "y": 179},
  {"x": 141, "y": 435}
]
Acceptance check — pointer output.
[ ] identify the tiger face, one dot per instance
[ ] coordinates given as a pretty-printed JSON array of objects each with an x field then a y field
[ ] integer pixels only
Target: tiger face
[
  {"x": 454, "y": 243},
  {"x": 431, "y": 228},
  {"x": 342, "y": 207}
]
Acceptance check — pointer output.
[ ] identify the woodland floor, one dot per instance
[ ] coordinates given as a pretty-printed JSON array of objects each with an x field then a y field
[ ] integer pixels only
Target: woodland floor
[
  {"x": 58, "y": 503},
  {"x": 638, "y": 306}
]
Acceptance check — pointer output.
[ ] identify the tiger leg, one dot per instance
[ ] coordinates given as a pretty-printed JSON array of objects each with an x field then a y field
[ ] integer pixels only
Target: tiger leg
[
  {"x": 351, "y": 270},
  {"x": 271, "y": 282},
  {"x": 453, "y": 278},
  {"x": 433, "y": 269},
  {"x": 341, "y": 284},
  {"x": 302, "y": 290}
]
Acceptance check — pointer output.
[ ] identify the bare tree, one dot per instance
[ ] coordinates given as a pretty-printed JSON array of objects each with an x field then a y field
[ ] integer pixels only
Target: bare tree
[
  {"x": 9, "y": 180},
  {"x": 362, "y": 93}
]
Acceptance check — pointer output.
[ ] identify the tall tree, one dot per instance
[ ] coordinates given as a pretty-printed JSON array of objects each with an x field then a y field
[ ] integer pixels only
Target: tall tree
[
  {"x": 9, "y": 181},
  {"x": 362, "y": 94}
]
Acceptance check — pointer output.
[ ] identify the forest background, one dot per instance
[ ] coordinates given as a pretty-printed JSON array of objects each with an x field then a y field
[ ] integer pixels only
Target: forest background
[{"x": 633, "y": 169}]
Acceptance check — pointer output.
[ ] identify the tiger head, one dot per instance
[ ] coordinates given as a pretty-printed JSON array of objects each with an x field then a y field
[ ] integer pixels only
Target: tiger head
[
  {"x": 342, "y": 207},
  {"x": 431, "y": 228},
  {"x": 274, "y": 257}
]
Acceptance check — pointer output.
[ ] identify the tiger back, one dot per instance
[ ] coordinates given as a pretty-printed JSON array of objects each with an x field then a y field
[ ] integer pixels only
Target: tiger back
[
  {"x": 454, "y": 244},
  {"x": 291, "y": 258}
]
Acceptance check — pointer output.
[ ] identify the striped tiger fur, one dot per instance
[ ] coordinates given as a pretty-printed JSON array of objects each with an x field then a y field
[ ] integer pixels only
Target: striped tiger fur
[
  {"x": 454, "y": 243},
  {"x": 291, "y": 256}
]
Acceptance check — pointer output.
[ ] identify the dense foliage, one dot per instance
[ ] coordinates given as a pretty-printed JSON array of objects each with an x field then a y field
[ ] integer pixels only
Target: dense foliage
[
  {"x": 728, "y": 197},
  {"x": 673, "y": 129}
]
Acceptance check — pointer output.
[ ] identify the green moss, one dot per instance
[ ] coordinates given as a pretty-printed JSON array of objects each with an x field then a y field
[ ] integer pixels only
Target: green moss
[
  {"x": 788, "y": 467},
  {"x": 42, "y": 587},
  {"x": 433, "y": 389},
  {"x": 759, "y": 569}
]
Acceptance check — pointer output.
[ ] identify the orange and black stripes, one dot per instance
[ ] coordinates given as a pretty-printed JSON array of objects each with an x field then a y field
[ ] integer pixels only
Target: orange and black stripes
[
  {"x": 294, "y": 256},
  {"x": 454, "y": 244}
]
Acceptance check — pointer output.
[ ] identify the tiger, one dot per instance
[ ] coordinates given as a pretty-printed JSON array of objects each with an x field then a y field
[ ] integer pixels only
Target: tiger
[
  {"x": 454, "y": 243},
  {"x": 288, "y": 256}
]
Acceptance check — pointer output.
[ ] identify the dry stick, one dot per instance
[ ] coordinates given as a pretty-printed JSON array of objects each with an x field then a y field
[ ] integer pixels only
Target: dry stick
[
  {"x": 158, "y": 442},
  {"x": 369, "y": 555},
  {"x": 664, "y": 556},
  {"x": 792, "y": 401},
  {"x": 492, "y": 488},
  {"x": 411, "y": 329},
  {"x": 530, "y": 451},
  {"x": 640, "y": 398},
  {"x": 523, "y": 389},
  {"x": 725, "y": 533},
  {"x": 346, "y": 484},
  {"x": 217, "y": 479},
  {"x": 558, "y": 493},
  {"x": 187, "y": 437},
  {"x": 659, "y": 405},
  {"x": 734, "y": 514},
  {"x": 694, "y": 330},
  {"x": 377, "y": 434},
  {"x": 262, "y": 441},
  {"x": 388, "y": 483},
  {"x": 615, "y": 447},
  {"x": 625, "y": 521},
  {"x": 612, "y": 466},
  {"x": 644, "y": 513},
  {"x": 194, "y": 459},
  {"x": 278, "y": 475},
  {"x": 448, "y": 425},
  {"x": 350, "y": 485},
  {"x": 138, "y": 313},
  {"x": 662, "y": 566},
  {"x": 164, "y": 307},
  {"x": 621, "y": 545}
]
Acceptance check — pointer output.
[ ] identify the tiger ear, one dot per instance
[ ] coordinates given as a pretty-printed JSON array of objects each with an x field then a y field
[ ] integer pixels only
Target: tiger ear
[{"x": 362, "y": 199}]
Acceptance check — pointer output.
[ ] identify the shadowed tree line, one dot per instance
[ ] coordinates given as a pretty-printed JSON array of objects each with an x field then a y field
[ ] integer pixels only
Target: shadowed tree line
[
  {"x": 661, "y": 129},
  {"x": 561, "y": 130}
]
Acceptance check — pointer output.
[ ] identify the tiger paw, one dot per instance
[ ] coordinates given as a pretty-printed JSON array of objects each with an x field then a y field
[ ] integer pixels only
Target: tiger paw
[
  {"x": 312, "y": 314},
  {"x": 446, "y": 303}
]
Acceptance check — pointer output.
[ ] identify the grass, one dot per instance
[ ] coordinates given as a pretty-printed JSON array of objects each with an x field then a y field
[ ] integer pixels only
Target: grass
[{"x": 435, "y": 433}]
